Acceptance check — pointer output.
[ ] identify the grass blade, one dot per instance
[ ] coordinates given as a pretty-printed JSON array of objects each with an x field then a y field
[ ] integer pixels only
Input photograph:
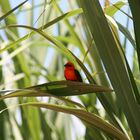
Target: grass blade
[
  {"x": 58, "y": 88},
  {"x": 113, "y": 62},
  {"x": 88, "y": 118},
  {"x": 11, "y": 11}
]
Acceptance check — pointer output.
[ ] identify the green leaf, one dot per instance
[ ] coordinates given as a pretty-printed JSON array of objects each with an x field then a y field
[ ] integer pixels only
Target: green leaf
[
  {"x": 12, "y": 10},
  {"x": 135, "y": 10},
  {"x": 127, "y": 34},
  {"x": 90, "y": 119},
  {"x": 52, "y": 22},
  {"x": 58, "y": 88},
  {"x": 113, "y": 61},
  {"x": 111, "y": 10}
]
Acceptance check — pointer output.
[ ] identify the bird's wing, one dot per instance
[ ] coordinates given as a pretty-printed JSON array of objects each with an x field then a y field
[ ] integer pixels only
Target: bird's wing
[{"x": 79, "y": 78}]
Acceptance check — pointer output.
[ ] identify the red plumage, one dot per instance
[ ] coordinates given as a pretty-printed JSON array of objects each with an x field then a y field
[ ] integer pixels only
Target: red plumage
[{"x": 71, "y": 73}]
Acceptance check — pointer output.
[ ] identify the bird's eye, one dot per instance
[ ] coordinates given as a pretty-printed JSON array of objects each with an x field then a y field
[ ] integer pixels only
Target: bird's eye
[{"x": 68, "y": 65}]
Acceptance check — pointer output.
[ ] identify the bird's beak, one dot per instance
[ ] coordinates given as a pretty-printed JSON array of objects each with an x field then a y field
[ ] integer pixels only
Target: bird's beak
[{"x": 65, "y": 65}]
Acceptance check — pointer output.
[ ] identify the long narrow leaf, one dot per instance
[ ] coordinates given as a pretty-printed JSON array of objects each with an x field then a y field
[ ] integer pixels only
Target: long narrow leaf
[
  {"x": 58, "y": 88},
  {"x": 135, "y": 9},
  {"x": 113, "y": 62},
  {"x": 11, "y": 11},
  {"x": 62, "y": 17},
  {"x": 89, "y": 118}
]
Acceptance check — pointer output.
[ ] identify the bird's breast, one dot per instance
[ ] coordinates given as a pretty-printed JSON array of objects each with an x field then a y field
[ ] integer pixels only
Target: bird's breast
[{"x": 70, "y": 75}]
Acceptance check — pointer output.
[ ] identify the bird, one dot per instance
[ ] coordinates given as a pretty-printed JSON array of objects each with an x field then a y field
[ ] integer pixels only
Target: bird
[{"x": 70, "y": 73}]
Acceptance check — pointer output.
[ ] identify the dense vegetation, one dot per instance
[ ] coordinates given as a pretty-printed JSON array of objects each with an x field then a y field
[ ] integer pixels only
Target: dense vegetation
[{"x": 101, "y": 38}]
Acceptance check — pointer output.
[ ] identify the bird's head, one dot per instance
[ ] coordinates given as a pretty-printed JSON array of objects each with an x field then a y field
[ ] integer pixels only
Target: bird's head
[{"x": 69, "y": 66}]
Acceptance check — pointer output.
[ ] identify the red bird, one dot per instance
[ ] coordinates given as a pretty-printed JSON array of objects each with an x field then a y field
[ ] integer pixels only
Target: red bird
[{"x": 71, "y": 74}]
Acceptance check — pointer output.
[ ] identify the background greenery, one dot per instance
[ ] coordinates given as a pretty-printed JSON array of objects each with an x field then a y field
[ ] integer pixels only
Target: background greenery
[{"x": 38, "y": 38}]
